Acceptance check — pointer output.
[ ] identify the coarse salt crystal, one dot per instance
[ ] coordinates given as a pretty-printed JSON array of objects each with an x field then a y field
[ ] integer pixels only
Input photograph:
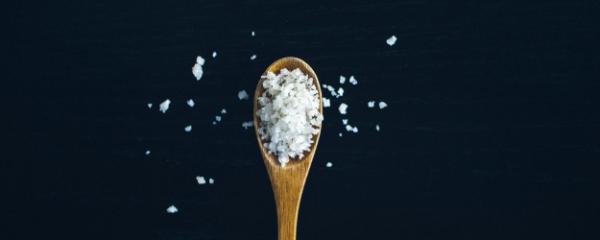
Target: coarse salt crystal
[
  {"x": 391, "y": 40},
  {"x": 329, "y": 164},
  {"x": 197, "y": 68},
  {"x": 242, "y": 95},
  {"x": 149, "y": 105},
  {"x": 353, "y": 80},
  {"x": 188, "y": 128},
  {"x": 211, "y": 181},
  {"x": 382, "y": 105},
  {"x": 191, "y": 103},
  {"x": 214, "y": 55},
  {"x": 214, "y": 123},
  {"x": 172, "y": 209},
  {"x": 201, "y": 180},
  {"x": 218, "y": 118},
  {"x": 348, "y": 128},
  {"x": 371, "y": 104},
  {"x": 340, "y": 92},
  {"x": 252, "y": 57},
  {"x": 377, "y": 127},
  {"x": 342, "y": 79},
  {"x": 342, "y": 108},
  {"x": 253, "y": 33},
  {"x": 326, "y": 102},
  {"x": 247, "y": 124},
  {"x": 345, "y": 121},
  {"x": 355, "y": 129},
  {"x": 223, "y": 111},
  {"x": 289, "y": 113},
  {"x": 164, "y": 106},
  {"x": 340, "y": 134},
  {"x": 147, "y": 152}
]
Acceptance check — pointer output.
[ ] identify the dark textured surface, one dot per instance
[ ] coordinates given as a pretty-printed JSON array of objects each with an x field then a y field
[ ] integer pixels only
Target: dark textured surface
[{"x": 492, "y": 129}]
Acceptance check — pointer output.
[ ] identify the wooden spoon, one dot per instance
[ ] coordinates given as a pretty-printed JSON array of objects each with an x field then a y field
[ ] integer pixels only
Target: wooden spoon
[{"x": 287, "y": 181}]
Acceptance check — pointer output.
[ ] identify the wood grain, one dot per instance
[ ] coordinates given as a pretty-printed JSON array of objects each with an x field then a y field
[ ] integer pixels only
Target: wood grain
[{"x": 287, "y": 181}]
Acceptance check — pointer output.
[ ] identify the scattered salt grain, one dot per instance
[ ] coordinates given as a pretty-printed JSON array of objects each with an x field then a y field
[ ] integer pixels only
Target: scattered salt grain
[
  {"x": 201, "y": 180},
  {"x": 191, "y": 103},
  {"x": 164, "y": 106},
  {"x": 371, "y": 104},
  {"x": 348, "y": 128},
  {"x": 172, "y": 209},
  {"x": 197, "y": 68},
  {"x": 218, "y": 118},
  {"x": 253, "y": 33},
  {"x": 377, "y": 127},
  {"x": 326, "y": 102},
  {"x": 188, "y": 128},
  {"x": 252, "y": 57},
  {"x": 147, "y": 152},
  {"x": 353, "y": 80},
  {"x": 342, "y": 79},
  {"x": 340, "y": 134},
  {"x": 242, "y": 95},
  {"x": 149, "y": 105},
  {"x": 345, "y": 121},
  {"x": 343, "y": 107},
  {"x": 223, "y": 111},
  {"x": 214, "y": 55},
  {"x": 211, "y": 181},
  {"x": 382, "y": 105},
  {"x": 340, "y": 92},
  {"x": 355, "y": 129},
  {"x": 391, "y": 40},
  {"x": 289, "y": 113},
  {"x": 247, "y": 124},
  {"x": 214, "y": 123},
  {"x": 329, "y": 164}
]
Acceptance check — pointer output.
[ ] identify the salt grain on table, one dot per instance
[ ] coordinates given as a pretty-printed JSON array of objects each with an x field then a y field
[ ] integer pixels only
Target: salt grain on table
[
  {"x": 211, "y": 181},
  {"x": 214, "y": 55},
  {"x": 190, "y": 103},
  {"x": 252, "y": 57},
  {"x": 329, "y": 164},
  {"x": 371, "y": 104},
  {"x": 147, "y": 152},
  {"x": 382, "y": 105},
  {"x": 201, "y": 180},
  {"x": 326, "y": 103},
  {"x": 391, "y": 40},
  {"x": 242, "y": 95},
  {"x": 345, "y": 121},
  {"x": 253, "y": 33},
  {"x": 164, "y": 106},
  {"x": 343, "y": 107},
  {"x": 149, "y": 105},
  {"x": 188, "y": 128},
  {"x": 223, "y": 111},
  {"x": 353, "y": 80},
  {"x": 247, "y": 124},
  {"x": 377, "y": 127},
  {"x": 218, "y": 118},
  {"x": 197, "y": 68},
  {"x": 340, "y": 134},
  {"x": 342, "y": 79},
  {"x": 172, "y": 209},
  {"x": 340, "y": 92}
]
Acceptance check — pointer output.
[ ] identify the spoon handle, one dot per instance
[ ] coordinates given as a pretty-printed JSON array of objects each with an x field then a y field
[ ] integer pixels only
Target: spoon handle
[{"x": 287, "y": 198}]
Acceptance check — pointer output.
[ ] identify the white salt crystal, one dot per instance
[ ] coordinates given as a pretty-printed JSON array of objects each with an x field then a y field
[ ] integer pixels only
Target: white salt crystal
[
  {"x": 377, "y": 127},
  {"x": 252, "y": 57},
  {"x": 191, "y": 103},
  {"x": 223, "y": 111},
  {"x": 391, "y": 40},
  {"x": 340, "y": 92},
  {"x": 289, "y": 113},
  {"x": 340, "y": 134},
  {"x": 345, "y": 121},
  {"x": 247, "y": 124},
  {"x": 342, "y": 79},
  {"x": 214, "y": 123},
  {"x": 353, "y": 80},
  {"x": 214, "y": 55},
  {"x": 218, "y": 118},
  {"x": 197, "y": 68},
  {"x": 211, "y": 181},
  {"x": 172, "y": 209},
  {"x": 242, "y": 95},
  {"x": 149, "y": 105},
  {"x": 329, "y": 164},
  {"x": 348, "y": 128},
  {"x": 371, "y": 104},
  {"x": 188, "y": 128},
  {"x": 253, "y": 33},
  {"x": 355, "y": 129},
  {"x": 382, "y": 105},
  {"x": 164, "y": 106},
  {"x": 201, "y": 180},
  {"x": 343, "y": 107},
  {"x": 147, "y": 152},
  {"x": 326, "y": 102}
]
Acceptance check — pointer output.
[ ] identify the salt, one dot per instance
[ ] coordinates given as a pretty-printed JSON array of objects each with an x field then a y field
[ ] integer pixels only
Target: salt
[
  {"x": 391, "y": 40},
  {"x": 342, "y": 108},
  {"x": 377, "y": 127},
  {"x": 252, "y": 33},
  {"x": 242, "y": 95},
  {"x": 342, "y": 79},
  {"x": 371, "y": 104},
  {"x": 345, "y": 121},
  {"x": 164, "y": 106},
  {"x": 188, "y": 128},
  {"x": 147, "y": 152},
  {"x": 223, "y": 111},
  {"x": 252, "y": 57},
  {"x": 326, "y": 103},
  {"x": 218, "y": 118},
  {"x": 340, "y": 92},
  {"x": 353, "y": 80},
  {"x": 149, "y": 105},
  {"x": 289, "y": 113},
  {"x": 329, "y": 164},
  {"x": 201, "y": 180},
  {"x": 247, "y": 124},
  {"x": 214, "y": 55},
  {"x": 191, "y": 103},
  {"x": 211, "y": 181},
  {"x": 172, "y": 209},
  {"x": 382, "y": 105},
  {"x": 197, "y": 68}
]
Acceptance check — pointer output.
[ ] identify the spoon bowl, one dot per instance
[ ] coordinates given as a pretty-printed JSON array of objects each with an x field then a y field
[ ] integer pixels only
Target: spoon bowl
[{"x": 287, "y": 181}]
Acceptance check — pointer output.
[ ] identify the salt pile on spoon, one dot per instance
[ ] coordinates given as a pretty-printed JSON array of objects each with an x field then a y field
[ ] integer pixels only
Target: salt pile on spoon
[{"x": 288, "y": 113}]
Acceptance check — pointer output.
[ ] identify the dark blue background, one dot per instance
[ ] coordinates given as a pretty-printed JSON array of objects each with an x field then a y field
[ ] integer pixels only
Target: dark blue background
[{"x": 491, "y": 133}]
